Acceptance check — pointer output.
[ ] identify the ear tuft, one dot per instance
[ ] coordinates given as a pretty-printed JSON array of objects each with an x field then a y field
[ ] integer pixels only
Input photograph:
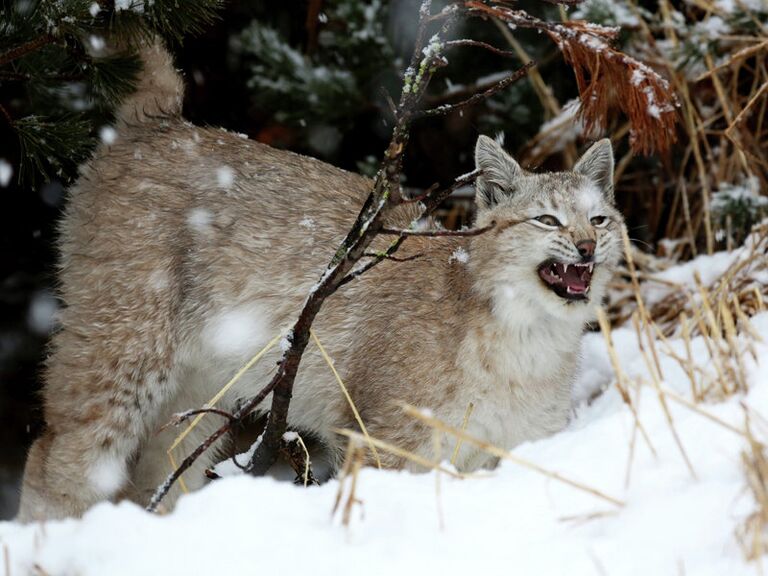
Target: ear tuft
[
  {"x": 499, "y": 172},
  {"x": 597, "y": 165}
]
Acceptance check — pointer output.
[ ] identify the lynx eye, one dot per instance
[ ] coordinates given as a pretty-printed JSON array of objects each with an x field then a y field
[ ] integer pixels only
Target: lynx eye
[
  {"x": 599, "y": 221},
  {"x": 548, "y": 220}
]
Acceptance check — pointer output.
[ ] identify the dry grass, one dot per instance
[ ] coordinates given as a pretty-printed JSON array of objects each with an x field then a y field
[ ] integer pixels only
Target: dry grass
[
  {"x": 754, "y": 532},
  {"x": 718, "y": 313},
  {"x": 722, "y": 89}
]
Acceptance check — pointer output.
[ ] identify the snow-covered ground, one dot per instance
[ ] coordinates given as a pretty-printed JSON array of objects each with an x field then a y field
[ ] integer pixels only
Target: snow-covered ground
[{"x": 510, "y": 521}]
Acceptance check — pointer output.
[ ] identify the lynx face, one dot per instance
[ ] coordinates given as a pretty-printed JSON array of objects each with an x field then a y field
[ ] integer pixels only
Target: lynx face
[{"x": 557, "y": 237}]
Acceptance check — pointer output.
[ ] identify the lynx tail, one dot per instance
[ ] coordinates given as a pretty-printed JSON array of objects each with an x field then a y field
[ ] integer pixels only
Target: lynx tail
[{"x": 160, "y": 87}]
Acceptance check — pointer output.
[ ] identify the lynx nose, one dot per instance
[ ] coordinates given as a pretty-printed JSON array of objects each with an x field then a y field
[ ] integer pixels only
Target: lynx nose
[{"x": 586, "y": 248}]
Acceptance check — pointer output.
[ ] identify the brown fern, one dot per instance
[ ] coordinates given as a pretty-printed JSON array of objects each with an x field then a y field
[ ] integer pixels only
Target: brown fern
[{"x": 606, "y": 78}]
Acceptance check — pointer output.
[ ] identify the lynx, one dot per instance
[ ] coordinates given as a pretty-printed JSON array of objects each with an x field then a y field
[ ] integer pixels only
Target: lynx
[{"x": 184, "y": 250}]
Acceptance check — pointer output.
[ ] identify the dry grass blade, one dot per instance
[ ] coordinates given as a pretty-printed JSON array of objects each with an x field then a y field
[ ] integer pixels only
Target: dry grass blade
[
  {"x": 662, "y": 400},
  {"x": 754, "y": 533},
  {"x": 505, "y": 454},
  {"x": 464, "y": 424},
  {"x": 348, "y": 397},
  {"x": 350, "y": 472},
  {"x": 621, "y": 381},
  {"x": 699, "y": 410},
  {"x": 399, "y": 452}
]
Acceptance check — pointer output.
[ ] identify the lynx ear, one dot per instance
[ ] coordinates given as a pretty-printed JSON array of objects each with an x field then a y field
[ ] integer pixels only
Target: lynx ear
[
  {"x": 499, "y": 172},
  {"x": 597, "y": 165}
]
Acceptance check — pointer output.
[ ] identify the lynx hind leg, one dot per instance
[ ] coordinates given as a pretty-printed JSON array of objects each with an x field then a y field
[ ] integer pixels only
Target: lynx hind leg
[
  {"x": 102, "y": 396},
  {"x": 153, "y": 465}
]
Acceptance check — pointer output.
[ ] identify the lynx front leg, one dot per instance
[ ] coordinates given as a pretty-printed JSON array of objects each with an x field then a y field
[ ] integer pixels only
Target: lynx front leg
[{"x": 99, "y": 408}]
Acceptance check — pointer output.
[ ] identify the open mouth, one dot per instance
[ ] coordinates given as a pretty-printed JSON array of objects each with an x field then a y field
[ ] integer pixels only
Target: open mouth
[{"x": 569, "y": 281}]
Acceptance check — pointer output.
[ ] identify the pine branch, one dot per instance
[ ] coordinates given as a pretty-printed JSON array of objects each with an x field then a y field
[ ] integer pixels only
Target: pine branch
[{"x": 26, "y": 48}]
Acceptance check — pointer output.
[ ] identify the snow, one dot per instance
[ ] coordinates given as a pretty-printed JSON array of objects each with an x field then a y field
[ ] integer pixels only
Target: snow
[
  {"x": 746, "y": 194},
  {"x": 555, "y": 134},
  {"x": 613, "y": 12},
  {"x": 734, "y": 7},
  {"x": 229, "y": 467},
  {"x": 512, "y": 520},
  {"x": 460, "y": 255},
  {"x": 709, "y": 268},
  {"x": 6, "y": 172},
  {"x": 286, "y": 341},
  {"x": 107, "y": 475},
  {"x": 41, "y": 317},
  {"x": 225, "y": 176},
  {"x": 94, "y": 9},
  {"x": 308, "y": 223},
  {"x": 97, "y": 43},
  {"x": 135, "y": 5},
  {"x": 237, "y": 331},
  {"x": 199, "y": 219},
  {"x": 108, "y": 135}
]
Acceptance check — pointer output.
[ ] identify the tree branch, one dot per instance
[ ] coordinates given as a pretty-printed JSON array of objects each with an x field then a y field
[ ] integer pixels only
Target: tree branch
[
  {"x": 474, "y": 99},
  {"x": 26, "y": 48},
  {"x": 386, "y": 256},
  {"x": 437, "y": 233},
  {"x": 483, "y": 45}
]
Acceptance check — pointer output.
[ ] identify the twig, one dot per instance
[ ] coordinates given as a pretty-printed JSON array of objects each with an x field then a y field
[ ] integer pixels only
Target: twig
[
  {"x": 437, "y": 233},
  {"x": 474, "y": 99},
  {"x": 393, "y": 258},
  {"x": 182, "y": 417},
  {"x": 483, "y": 45}
]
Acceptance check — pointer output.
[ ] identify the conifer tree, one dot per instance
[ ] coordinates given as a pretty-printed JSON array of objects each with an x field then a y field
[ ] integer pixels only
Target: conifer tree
[{"x": 64, "y": 64}]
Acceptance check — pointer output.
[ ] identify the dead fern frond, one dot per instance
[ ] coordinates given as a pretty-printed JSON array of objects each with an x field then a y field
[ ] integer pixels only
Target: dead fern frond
[{"x": 606, "y": 77}]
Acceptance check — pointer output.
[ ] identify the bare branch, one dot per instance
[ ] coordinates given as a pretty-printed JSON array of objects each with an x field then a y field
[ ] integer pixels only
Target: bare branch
[
  {"x": 421, "y": 197},
  {"x": 386, "y": 256},
  {"x": 483, "y": 45},
  {"x": 435, "y": 199},
  {"x": 181, "y": 417},
  {"x": 474, "y": 99},
  {"x": 389, "y": 101},
  {"x": 432, "y": 199},
  {"x": 438, "y": 233}
]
